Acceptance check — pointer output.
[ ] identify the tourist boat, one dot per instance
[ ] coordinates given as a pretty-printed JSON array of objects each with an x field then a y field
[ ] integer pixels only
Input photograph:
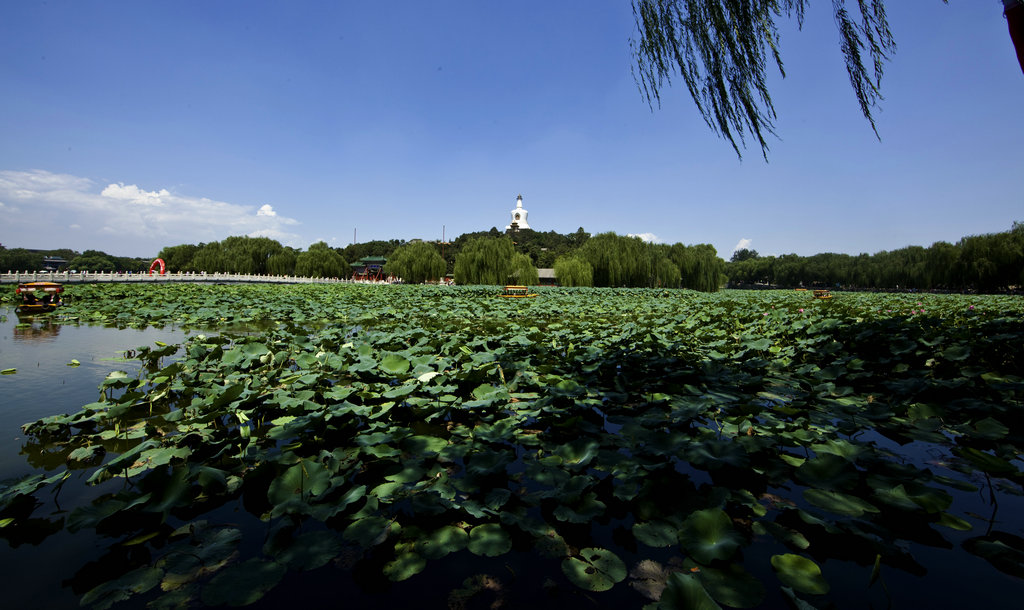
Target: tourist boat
[
  {"x": 822, "y": 294},
  {"x": 39, "y": 297},
  {"x": 517, "y": 292}
]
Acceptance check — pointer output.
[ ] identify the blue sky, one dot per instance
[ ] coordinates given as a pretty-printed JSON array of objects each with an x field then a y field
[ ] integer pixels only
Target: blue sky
[{"x": 129, "y": 126}]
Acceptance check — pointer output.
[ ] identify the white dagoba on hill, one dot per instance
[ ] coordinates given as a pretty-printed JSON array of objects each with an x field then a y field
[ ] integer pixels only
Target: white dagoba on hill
[{"x": 519, "y": 215}]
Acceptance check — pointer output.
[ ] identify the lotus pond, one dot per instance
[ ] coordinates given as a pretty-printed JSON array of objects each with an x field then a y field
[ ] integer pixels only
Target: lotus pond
[{"x": 440, "y": 447}]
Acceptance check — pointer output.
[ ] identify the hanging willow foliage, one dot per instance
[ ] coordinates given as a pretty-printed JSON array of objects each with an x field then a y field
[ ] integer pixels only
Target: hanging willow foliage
[{"x": 721, "y": 49}]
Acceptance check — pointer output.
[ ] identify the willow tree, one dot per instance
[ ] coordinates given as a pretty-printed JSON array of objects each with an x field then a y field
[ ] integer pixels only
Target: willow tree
[
  {"x": 723, "y": 49},
  {"x": 320, "y": 260},
  {"x": 618, "y": 260},
  {"x": 572, "y": 270},
  {"x": 699, "y": 265},
  {"x": 416, "y": 263},
  {"x": 493, "y": 260}
]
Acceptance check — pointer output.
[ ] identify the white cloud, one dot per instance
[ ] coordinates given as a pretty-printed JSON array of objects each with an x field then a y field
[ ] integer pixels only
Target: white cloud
[
  {"x": 125, "y": 219},
  {"x": 134, "y": 194},
  {"x": 743, "y": 244},
  {"x": 650, "y": 238}
]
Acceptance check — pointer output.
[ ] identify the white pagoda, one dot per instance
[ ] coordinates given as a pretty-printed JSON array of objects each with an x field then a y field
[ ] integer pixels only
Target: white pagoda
[{"x": 519, "y": 215}]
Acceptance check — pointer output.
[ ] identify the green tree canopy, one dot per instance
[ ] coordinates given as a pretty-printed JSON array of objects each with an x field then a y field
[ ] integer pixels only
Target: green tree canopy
[
  {"x": 321, "y": 260},
  {"x": 416, "y": 263},
  {"x": 179, "y": 258},
  {"x": 573, "y": 270},
  {"x": 699, "y": 266},
  {"x": 493, "y": 260}
]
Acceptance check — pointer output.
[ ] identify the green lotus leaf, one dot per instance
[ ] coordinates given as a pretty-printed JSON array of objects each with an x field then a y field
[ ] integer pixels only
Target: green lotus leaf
[
  {"x": 730, "y": 585},
  {"x": 713, "y": 453},
  {"x": 443, "y": 541},
  {"x": 86, "y": 455},
  {"x": 309, "y": 551},
  {"x": 708, "y": 535},
  {"x": 404, "y": 566},
  {"x": 578, "y": 452},
  {"x": 243, "y": 583},
  {"x": 656, "y": 533},
  {"x": 1003, "y": 550},
  {"x": 783, "y": 534},
  {"x": 839, "y": 503},
  {"x": 954, "y": 522},
  {"x": 686, "y": 591},
  {"x": 957, "y": 353},
  {"x": 896, "y": 496},
  {"x": 595, "y": 569},
  {"x": 385, "y": 492},
  {"x": 307, "y": 479},
  {"x": 985, "y": 461},
  {"x": 394, "y": 364},
  {"x": 930, "y": 499},
  {"x": 135, "y": 582},
  {"x": 800, "y": 573},
  {"x": 843, "y": 448},
  {"x": 827, "y": 471},
  {"x": 489, "y": 540},
  {"x": 990, "y": 429},
  {"x": 368, "y": 531}
]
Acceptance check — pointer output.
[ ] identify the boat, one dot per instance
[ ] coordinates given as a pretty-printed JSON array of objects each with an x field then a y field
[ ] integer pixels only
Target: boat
[
  {"x": 39, "y": 297},
  {"x": 517, "y": 292},
  {"x": 822, "y": 294}
]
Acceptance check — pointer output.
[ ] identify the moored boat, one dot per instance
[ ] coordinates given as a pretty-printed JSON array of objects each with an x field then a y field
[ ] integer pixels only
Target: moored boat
[
  {"x": 517, "y": 292},
  {"x": 39, "y": 297}
]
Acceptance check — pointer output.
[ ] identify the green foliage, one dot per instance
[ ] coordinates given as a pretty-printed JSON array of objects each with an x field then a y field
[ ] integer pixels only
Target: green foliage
[
  {"x": 699, "y": 266},
  {"x": 416, "y": 263},
  {"x": 91, "y": 260},
  {"x": 493, "y": 260},
  {"x": 20, "y": 259},
  {"x": 320, "y": 261},
  {"x": 283, "y": 262},
  {"x": 179, "y": 258},
  {"x": 722, "y": 50},
  {"x": 983, "y": 263},
  {"x": 573, "y": 271},
  {"x": 247, "y": 255},
  {"x": 368, "y": 425}
]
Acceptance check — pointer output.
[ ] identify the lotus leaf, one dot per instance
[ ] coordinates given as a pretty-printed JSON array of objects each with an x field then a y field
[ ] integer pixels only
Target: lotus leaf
[
  {"x": 800, "y": 573},
  {"x": 595, "y": 569},
  {"x": 368, "y": 531},
  {"x": 135, "y": 582},
  {"x": 243, "y": 583},
  {"x": 404, "y": 566},
  {"x": 309, "y": 551},
  {"x": 1003, "y": 550},
  {"x": 443, "y": 541},
  {"x": 656, "y": 533},
  {"x": 839, "y": 503},
  {"x": 489, "y": 539},
  {"x": 708, "y": 535}
]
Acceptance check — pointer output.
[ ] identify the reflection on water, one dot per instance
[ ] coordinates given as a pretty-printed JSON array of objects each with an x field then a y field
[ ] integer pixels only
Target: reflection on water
[
  {"x": 47, "y": 381},
  {"x": 36, "y": 328}
]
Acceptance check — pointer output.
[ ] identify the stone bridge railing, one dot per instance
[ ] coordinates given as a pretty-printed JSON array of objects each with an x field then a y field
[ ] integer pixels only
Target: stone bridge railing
[{"x": 89, "y": 277}]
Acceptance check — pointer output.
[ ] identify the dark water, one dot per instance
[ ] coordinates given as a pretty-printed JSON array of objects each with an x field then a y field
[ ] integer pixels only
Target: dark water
[{"x": 44, "y": 385}]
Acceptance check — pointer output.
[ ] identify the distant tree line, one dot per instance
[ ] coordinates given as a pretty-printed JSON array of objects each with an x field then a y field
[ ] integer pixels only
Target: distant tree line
[
  {"x": 22, "y": 259},
  {"x": 985, "y": 263},
  {"x": 257, "y": 256},
  {"x": 992, "y": 262}
]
